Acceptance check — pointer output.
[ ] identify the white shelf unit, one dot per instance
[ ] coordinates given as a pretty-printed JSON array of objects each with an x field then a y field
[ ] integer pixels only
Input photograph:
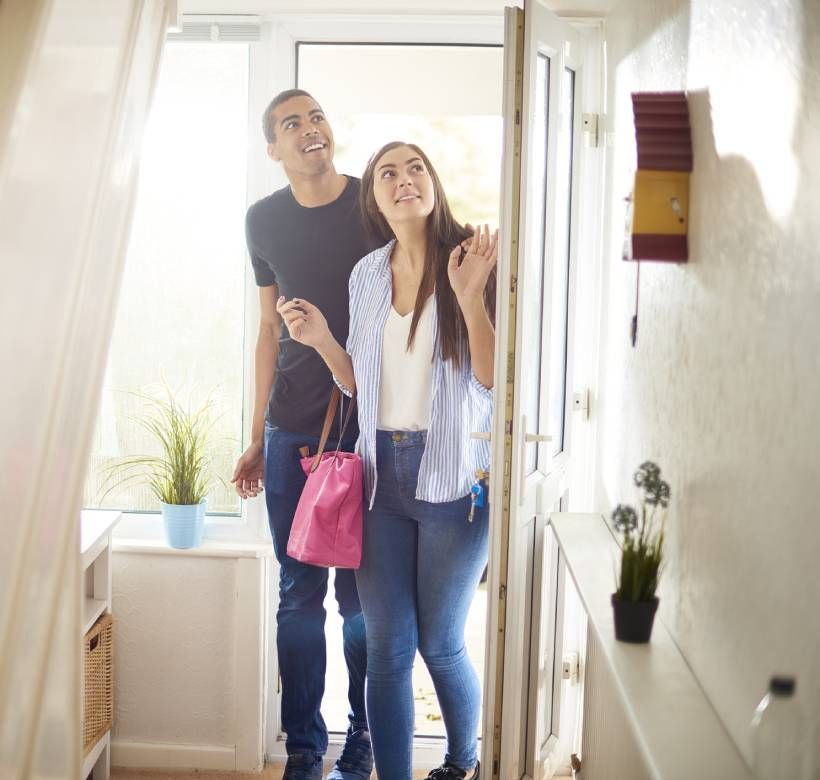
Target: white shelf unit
[
  {"x": 95, "y": 551},
  {"x": 677, "y": 730}
]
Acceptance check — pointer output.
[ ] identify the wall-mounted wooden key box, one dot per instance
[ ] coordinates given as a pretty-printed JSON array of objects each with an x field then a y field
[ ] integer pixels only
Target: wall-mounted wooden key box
[{"x": 660, "y": 197}]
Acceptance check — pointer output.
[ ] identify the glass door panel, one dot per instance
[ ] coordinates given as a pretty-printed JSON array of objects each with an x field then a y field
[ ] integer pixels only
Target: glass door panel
[
  {"x": 559, "y": 310},
  {"x": 533, "y": 292}
]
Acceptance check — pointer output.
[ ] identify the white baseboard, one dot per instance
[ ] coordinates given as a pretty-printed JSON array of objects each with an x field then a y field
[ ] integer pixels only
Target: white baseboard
[
  {"x": 160, "y": 755},
  {"x": 428, "y": 752}
]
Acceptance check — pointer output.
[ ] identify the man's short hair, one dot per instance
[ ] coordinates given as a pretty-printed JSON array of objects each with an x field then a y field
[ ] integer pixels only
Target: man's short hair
[{"x": 267, "y": 117}]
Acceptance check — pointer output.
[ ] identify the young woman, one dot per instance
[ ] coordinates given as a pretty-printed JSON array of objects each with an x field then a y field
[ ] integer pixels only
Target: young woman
[{"x": 419, "y": 357}]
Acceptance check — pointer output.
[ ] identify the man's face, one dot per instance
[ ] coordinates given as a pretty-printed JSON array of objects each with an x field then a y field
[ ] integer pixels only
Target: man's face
[{"x": 304, "y": 140}]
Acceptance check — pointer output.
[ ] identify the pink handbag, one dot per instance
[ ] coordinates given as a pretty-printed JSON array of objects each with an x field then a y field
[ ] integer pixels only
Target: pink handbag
[{"x": 327, "y": 526}]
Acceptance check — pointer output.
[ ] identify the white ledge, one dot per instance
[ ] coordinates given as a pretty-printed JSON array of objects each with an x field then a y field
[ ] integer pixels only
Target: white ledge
[
  {"x": 210, "y": 548},
  {"x": 678, "y": 732},
  {"x": 95, "y": 526}
]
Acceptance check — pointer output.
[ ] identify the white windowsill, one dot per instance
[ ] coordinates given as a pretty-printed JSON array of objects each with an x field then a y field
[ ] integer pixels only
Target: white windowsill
[
  {"x": 210, "y": 548},
  {"x": 243, "y": 534},
  {"x": 678, "y": 731}
]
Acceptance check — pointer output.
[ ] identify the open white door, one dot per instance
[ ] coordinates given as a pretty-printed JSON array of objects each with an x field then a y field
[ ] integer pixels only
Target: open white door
[{"x": 532, "y": 452}]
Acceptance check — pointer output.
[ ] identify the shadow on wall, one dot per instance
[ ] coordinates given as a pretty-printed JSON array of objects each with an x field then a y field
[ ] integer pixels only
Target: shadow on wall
[
  {"x": 721, "y": 390},
  {"x": 775, "y": 420}
]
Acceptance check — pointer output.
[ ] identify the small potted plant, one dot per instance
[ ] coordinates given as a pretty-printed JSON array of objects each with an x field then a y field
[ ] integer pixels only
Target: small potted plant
[
  {"x": 179, "y": 476},
  {"x": 634, "y": 601}
]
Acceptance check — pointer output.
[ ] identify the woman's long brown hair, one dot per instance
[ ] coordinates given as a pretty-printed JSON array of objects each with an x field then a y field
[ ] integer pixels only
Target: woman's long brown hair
[{"x": 444, "y": 233}]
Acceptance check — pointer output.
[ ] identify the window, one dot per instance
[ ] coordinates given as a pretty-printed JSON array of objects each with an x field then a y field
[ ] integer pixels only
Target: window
[
  {"x": 181, "y": 312},
  {"x": 445, "y": 99},
  {"x": 559, "y": 309},
  {"x": 534, "y": 289}
]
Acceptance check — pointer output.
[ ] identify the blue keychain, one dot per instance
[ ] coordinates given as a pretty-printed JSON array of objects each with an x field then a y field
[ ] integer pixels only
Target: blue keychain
[{"x": 478, "y": 493}]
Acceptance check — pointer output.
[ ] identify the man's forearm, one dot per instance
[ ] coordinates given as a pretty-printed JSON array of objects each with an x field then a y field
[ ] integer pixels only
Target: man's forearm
[{"x": 267, "y": 350}]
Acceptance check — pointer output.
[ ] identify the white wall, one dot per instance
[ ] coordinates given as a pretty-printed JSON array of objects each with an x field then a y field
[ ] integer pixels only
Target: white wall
[
  {"x": 724, "y": 385},
  {"x": 175, "y": 649},
  {"x": 189, "y": 681}
]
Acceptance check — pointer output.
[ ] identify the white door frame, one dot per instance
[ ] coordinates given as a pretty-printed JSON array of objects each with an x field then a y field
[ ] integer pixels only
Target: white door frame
[{"x": 280, "y": 35}]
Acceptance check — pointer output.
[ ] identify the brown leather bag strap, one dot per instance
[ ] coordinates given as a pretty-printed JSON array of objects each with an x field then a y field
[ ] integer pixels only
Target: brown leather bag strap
[{"x": 332, "y": 405}]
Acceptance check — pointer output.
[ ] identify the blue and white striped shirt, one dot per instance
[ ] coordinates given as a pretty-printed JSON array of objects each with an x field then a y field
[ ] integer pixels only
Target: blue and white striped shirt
[{"x": 460, "y": 403}]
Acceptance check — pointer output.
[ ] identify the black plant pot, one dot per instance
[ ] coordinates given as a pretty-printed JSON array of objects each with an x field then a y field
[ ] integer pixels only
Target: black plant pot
[{"x": 634, "y": 619}]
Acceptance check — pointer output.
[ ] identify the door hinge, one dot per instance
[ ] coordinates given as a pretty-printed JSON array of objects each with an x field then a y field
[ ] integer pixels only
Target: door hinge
[{"x": 592, "y": 126}]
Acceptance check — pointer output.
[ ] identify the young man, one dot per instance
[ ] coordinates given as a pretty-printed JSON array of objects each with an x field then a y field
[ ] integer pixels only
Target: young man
[{"x": 303, "y": 241}]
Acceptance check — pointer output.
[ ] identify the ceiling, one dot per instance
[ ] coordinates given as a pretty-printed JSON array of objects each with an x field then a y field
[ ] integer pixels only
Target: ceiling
[{"x": 580, "y": 7}]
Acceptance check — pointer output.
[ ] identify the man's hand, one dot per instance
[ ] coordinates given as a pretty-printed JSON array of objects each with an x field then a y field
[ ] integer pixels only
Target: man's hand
[{"x": 249, "y": 474}]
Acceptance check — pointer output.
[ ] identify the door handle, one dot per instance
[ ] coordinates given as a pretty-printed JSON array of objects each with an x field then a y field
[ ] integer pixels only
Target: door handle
[
  {"x": 536, "y": 437},
  {"x": 483, "y": 435},
  {"x": 527, "y": 438}
]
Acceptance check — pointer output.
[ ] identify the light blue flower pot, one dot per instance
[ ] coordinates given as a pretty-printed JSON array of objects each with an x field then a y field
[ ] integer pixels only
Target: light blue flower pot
[{"x": 184, "y": 524}]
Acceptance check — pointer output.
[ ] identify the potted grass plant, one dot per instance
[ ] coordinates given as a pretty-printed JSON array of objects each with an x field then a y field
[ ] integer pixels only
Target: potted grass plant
[
  {"x": 180, "y": 475},
  {"x": 634, "y": 602}
]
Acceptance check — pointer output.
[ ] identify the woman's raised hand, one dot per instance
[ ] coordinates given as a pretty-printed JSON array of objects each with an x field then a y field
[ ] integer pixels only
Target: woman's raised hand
[
  {"x": 469, "y": 278},
  {"x": 304, "y": 321}
]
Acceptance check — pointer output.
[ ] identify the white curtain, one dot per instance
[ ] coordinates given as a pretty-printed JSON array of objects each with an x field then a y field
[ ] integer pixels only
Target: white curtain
[{"x": 76, "y": 78}]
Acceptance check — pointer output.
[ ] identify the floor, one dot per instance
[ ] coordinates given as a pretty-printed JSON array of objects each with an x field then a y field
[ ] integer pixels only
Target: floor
[{"x": 270, "y": 773}]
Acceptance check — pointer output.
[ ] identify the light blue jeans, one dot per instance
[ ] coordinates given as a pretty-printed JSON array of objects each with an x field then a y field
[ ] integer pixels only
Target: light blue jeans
[{"x": 421, "y": 564}]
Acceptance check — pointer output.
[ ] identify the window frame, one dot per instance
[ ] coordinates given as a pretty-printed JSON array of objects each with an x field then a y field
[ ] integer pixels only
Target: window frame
[
  {"x": 250, "y": 525},
  {"x": 272, "y": 67}
]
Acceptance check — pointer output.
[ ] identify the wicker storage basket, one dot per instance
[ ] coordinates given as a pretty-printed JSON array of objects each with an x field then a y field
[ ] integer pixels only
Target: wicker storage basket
[{"x": 97, "y": 682}]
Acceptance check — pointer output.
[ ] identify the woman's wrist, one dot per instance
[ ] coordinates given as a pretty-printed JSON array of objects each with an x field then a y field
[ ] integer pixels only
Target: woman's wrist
[
  {"x": 326, "y": 344},
  {"x": 473, "y": 310}
]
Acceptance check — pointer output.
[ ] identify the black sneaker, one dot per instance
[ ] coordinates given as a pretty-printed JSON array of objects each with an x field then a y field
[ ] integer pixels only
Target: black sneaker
[
  {"x": 449, "y": 772},
  {"x": 356, "y": 761},
  {"x": 303, "y": 766}
]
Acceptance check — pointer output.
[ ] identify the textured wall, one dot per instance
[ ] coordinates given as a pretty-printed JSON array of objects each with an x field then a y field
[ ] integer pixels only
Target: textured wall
[
  {"x": 174, "y": 649},
  {"x": 723, "y": 388}
]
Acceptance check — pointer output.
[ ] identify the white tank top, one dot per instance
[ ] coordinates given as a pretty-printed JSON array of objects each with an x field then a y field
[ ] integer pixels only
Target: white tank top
[{"x": 406, "y": 383}]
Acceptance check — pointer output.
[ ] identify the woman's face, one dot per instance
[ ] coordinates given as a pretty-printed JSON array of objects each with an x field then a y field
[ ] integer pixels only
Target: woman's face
[{"x": 402, "y": 186}]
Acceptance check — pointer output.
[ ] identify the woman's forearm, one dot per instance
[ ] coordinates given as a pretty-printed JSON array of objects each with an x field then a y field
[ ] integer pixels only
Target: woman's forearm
[
  {"x": 339, "y": 362},
  {"x": 481, "y": 337}
]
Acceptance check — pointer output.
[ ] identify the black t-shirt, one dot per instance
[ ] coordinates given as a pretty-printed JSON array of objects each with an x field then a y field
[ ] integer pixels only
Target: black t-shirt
[{"x": 309, "y": 253}]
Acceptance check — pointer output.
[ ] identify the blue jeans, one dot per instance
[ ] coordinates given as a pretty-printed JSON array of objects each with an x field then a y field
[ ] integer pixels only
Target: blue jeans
[
  {"x": 421, "y": 564},
  {"x": 300, "y": 637}
]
